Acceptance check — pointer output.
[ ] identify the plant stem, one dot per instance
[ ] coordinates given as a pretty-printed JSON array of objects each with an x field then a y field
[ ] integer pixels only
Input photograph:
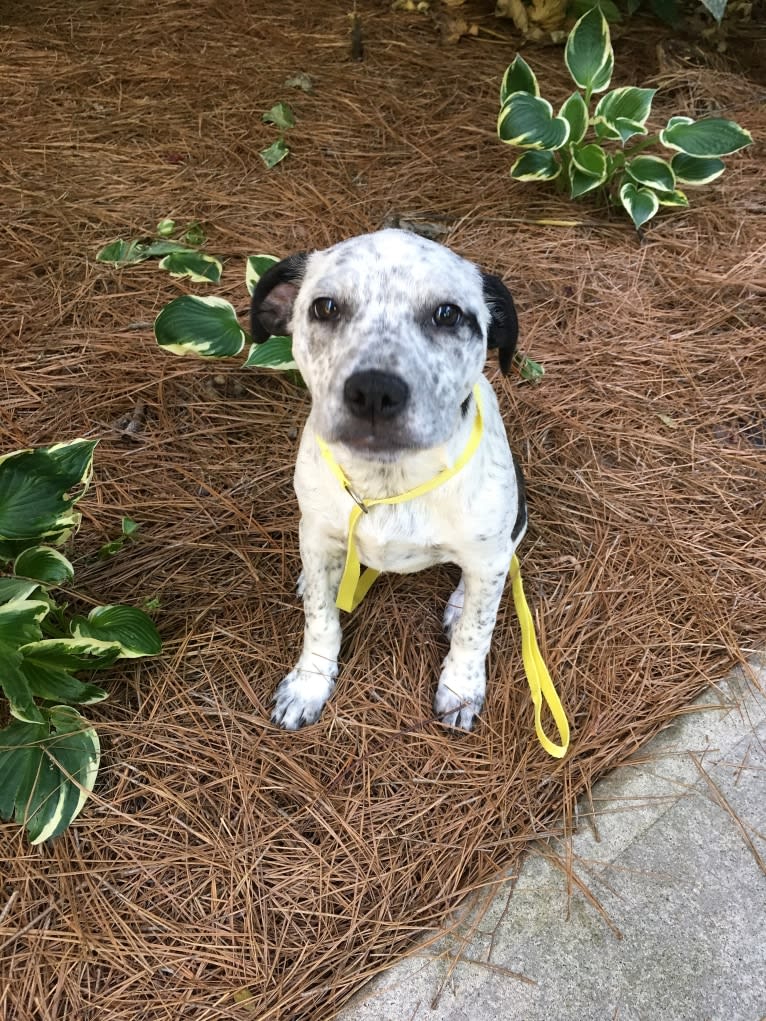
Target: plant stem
[{"x": 639, "y": 146}]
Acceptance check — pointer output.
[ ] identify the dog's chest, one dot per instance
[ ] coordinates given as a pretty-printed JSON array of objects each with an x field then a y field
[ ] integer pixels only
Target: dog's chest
[{"x": 402, "y": 539}]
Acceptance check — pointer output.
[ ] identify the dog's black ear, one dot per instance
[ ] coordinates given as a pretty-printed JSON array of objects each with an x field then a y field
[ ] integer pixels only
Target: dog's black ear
[
  {"x": 272, "y": 305},
  {"x": 504, "y": 325}
]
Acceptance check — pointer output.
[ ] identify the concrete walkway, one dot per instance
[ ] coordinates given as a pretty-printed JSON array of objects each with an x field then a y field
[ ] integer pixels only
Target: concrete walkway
[{"x": 676, "y": 863}]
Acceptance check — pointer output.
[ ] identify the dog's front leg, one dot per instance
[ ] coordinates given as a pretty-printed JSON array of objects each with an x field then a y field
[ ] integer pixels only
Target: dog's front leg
[
  {"x": 301, "y": 696},
  {"x": 460, "y": 695}
]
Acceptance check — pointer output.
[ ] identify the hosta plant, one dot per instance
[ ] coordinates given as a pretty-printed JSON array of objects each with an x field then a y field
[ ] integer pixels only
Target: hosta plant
[
  {"x": 49, "y": 755},
  {"x": 604, "y": 147}
]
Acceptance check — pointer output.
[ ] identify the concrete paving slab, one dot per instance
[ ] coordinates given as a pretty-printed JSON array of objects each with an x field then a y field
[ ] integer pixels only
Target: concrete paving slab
[{"x": 669, "y": 922}]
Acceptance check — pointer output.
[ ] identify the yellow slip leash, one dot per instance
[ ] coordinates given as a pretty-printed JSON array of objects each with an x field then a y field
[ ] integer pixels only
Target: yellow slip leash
[{"x": 355, "y": 583}]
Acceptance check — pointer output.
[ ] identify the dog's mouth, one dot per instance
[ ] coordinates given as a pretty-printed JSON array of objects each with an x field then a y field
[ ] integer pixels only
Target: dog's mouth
[{"x": 377, "y": 446}]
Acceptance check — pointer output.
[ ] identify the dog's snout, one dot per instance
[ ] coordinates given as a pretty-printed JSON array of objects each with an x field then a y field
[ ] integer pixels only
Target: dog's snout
[{"x": 375, "y": 395}]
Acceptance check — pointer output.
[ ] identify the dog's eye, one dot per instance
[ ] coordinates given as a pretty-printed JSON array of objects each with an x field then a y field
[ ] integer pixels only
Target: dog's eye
[
  {"x": 447, "y": 315},
  {"x": 325, "y": 309}
]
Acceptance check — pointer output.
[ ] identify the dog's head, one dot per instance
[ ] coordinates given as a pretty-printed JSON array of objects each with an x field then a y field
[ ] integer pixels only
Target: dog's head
[{"x": 390, "y": 332}]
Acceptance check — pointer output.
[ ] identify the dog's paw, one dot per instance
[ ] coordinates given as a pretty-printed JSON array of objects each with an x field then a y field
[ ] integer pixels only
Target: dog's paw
[
  {"x": 460, "y": 695},
  {"x": 454, "y": 609},
  {"x": 301, "y": 697}
]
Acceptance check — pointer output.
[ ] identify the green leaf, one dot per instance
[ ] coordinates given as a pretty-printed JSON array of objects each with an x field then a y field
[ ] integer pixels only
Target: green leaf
[
  {"x": 275, "y": 353},
  {"x": 528, "y": 121},
  {"x": 44, "y": 564},
  {"x": 610, "y": 9},
  {"x": 274, "y": 153},
  {"x": 194, "y": 234},
  {"x": 16, "y": 588},
  {"x": 518, "y": 77},
  {"x": 653, "y": 172},
  {"x": 536, "y": 166},
  {"x": 16, "y": 687},
  {"x": 588, "y": 53},
  {"x": 202, "y": 269},
  {"x": 696, "y": 170},
  {"x": 528, "y": 369},
  {"x": 129, "y": 527},
  {"x": 255, "y": 268},
  {"x": 156, "y": 249},
  {"x": 624, "y": 112},
  {"x": 121, "y": 253},
  {"x": 717, "y": 8},
  {"x": 129, "y": 627},
  {"x": 47, "y": 770},
  {"x": 588, "y": 169},
  {"x": 641, "y": 204},
  {"x": 281, "y": 115},
  {"x": 48, "y": 666},
  {"x": 38, "y": 490},
  {"x": 675, "y": 198},
  {"x": 203, "y": 326},
  {"x": 166, "y": 227},
  {"x": 575, "y": 112},
  {"x": 126, "y": 253},
  {"x": 713, "y": 137}
]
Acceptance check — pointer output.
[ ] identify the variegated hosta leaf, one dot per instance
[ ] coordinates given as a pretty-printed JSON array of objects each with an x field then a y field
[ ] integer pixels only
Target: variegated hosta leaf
[
  {"x": 49, "y": 665},
  {"x": 575, "y": 112},
  {"x": 519, "y": 77},
  {"x": 536, "y": 166},
  {"x": 281, "y": 115},
  {"x": 202, "y": 269},
  {"x": 588, "y": 53},
  {"x": 528, "y": 122},
  {"x": 624, "y": 112},
  {"x": 696, "y": 170},
  {"x": 274, "y": 153},
  {"x": 203, "y": 326},
  {"x": 712, "y": 137},
  {"x": 641, "y": 204},
  {"x": 19, "y": 623},
  {"x": 126, "y": 253},
  {"x": 16, "y": 588},
  {"x": 131, "y": 629},
  {"x": 38, "y": 490},
  {"x": 588, "y": 169},
  {"x": 165, "y": 227},
  {"x": 47, "y": 770},
  {"x": 675, "y": 198},
  {"x": 275, "y": 353},
  {"x": 653, "y": 172},
  {"x": 255, "y": 268},
  {"x": 44, "y": 564}
]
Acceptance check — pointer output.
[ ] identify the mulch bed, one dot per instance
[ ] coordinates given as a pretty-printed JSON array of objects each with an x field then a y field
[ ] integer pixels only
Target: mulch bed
[{"x": 221, "y": 858}]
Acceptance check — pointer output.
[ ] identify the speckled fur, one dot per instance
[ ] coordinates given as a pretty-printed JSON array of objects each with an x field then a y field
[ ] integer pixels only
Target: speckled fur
[{"x": 387, "y": 285}]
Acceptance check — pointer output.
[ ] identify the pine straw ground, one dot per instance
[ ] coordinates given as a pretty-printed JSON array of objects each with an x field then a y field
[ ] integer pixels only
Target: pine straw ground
[{"x": 222, "y": 855}]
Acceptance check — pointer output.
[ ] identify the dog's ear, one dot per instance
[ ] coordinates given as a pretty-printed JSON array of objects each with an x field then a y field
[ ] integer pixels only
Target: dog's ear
[
  {"x": 504, "y": 325},
  {"x": 272, "y": 304}
]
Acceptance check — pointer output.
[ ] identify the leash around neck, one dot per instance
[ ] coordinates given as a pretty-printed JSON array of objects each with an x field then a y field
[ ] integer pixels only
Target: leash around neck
[{"x": 355, "y": 583}]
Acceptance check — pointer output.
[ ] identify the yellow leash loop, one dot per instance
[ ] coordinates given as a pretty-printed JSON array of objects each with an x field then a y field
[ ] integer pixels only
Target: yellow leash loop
[
  {"x": 355, "y": 583},
  {"x": 540, "y": 683}
]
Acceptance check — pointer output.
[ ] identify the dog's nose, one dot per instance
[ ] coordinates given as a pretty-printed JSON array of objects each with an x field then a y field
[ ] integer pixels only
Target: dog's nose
[{"x": 372, "y": 394}]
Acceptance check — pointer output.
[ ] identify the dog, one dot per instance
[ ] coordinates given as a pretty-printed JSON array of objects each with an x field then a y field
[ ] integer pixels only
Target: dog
[{"x": 390, "y": 332}]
